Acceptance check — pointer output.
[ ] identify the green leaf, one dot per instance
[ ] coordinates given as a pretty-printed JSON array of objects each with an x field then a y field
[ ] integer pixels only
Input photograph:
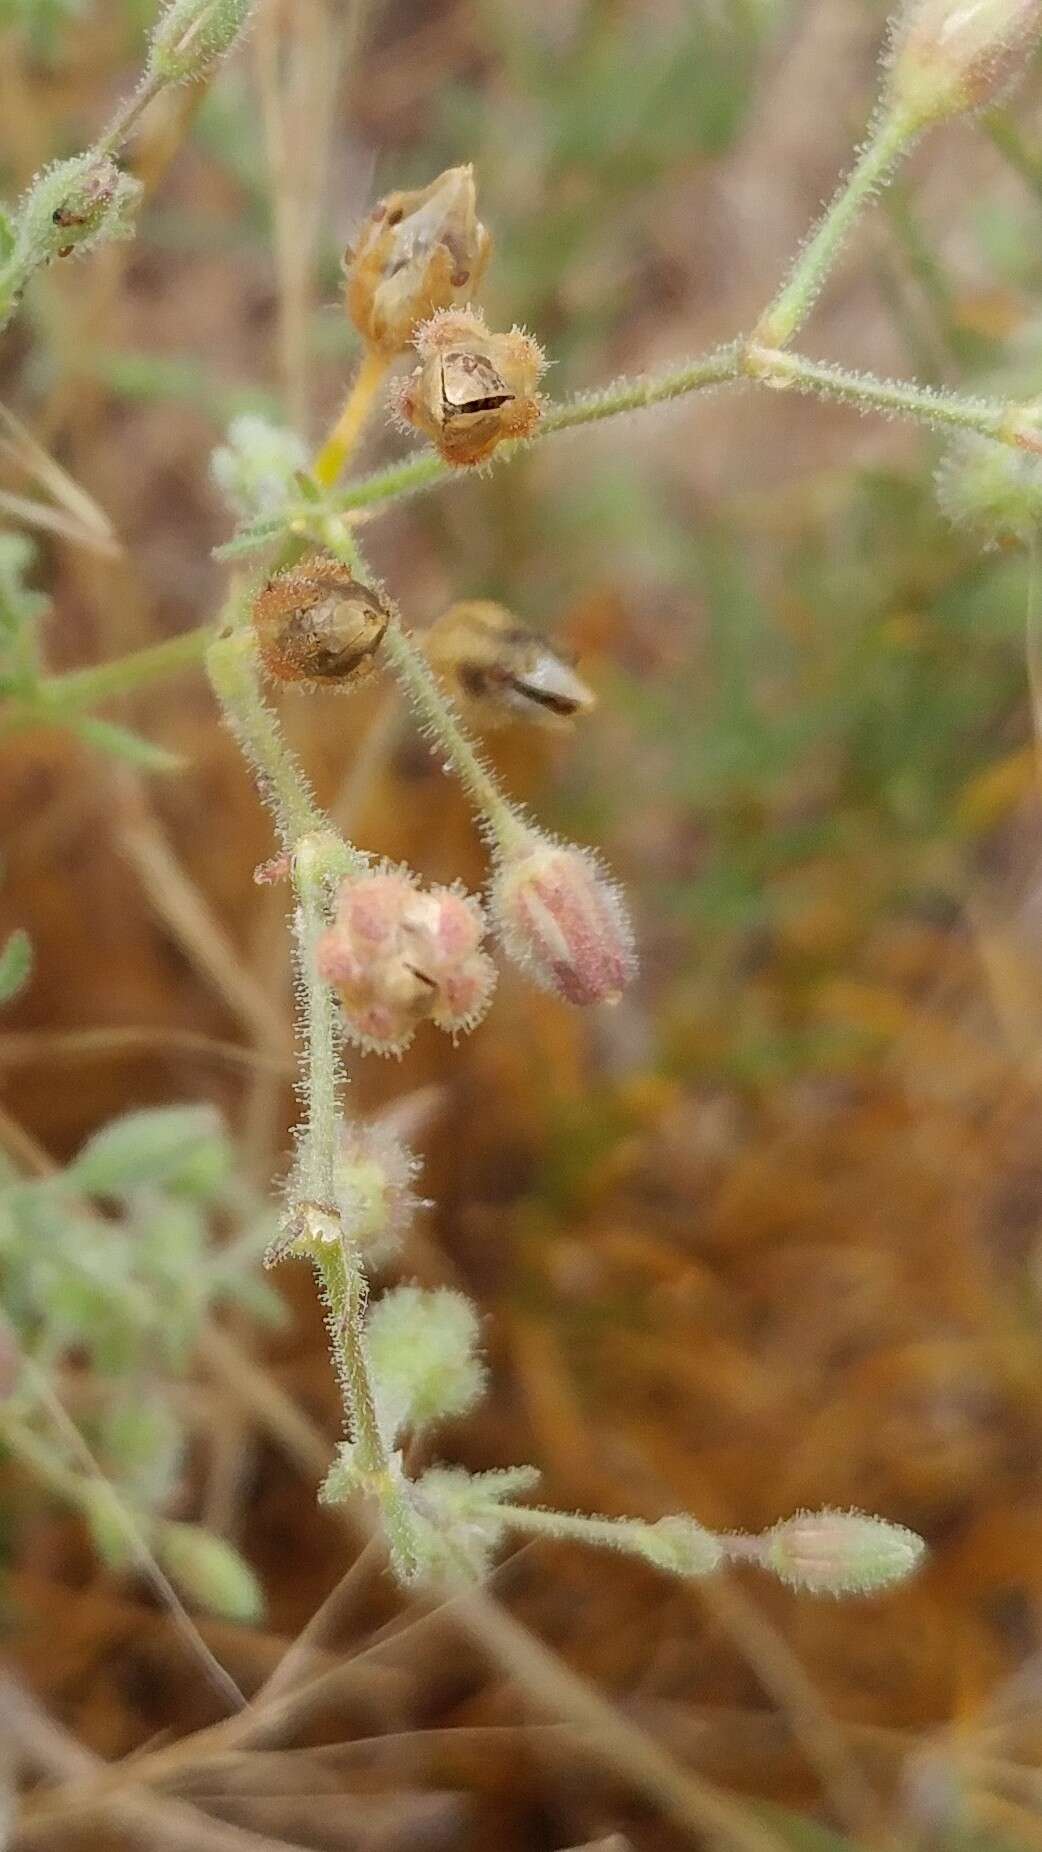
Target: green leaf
[
  {"x": 16, "y": 963},
  {"x": 180, "y": 1147},
  {"x": 210, "y": 1572},
  {"x": 121, "y": 743},
  {"x": 7, "y": 235},
  {"x": 250, "y": 539}
]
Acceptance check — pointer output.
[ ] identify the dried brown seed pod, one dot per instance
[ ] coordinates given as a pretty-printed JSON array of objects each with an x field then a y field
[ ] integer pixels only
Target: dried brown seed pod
[
  {"x": 472, "y": 388},
  {"x": 316, "y": 623},
  {"x": 501, "y": 671},
  {"x": 416, "y": 253}
]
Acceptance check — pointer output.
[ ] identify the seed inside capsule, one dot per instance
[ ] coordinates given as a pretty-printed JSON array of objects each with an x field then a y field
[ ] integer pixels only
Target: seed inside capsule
[
  {"x": 317, "y": 623},
  {"x": 469, "y": 384}
]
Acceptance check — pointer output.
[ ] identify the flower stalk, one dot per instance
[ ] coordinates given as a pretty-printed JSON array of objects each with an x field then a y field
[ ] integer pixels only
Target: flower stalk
[{"x": 889, "y": 139}]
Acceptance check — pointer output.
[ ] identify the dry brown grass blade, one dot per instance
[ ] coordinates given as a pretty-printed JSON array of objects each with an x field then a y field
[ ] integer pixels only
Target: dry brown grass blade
[
  {"x": 153, "y": 1820},
  {"x": 62, "y": 1047},
  {"x": 181, "y": 906},
  {"x": 697, "y": 1805},
  {"x": 298, "y": 56},
  {"x": 70, "y": 511}
]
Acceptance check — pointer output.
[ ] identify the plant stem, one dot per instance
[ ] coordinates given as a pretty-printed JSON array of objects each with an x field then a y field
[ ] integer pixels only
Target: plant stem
[
  {"x": 439, "y": 721},
  {"x": 231, "y": 663},
  {"x": 1008, "y": 424},
  {"x": 80, "y": 688},
  {"x": 348, "y": 428},
  {"x": 127, "y": 114},
  {"x": 891, "y": 136},
  {"x": 538, "y": 1521},
  {"x": 1003, "y": 129},
  {"x": 318, "y": 859}
]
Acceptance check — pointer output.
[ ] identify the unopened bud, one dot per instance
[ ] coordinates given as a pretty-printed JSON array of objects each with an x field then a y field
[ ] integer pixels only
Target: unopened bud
[
  {"x": 416, "y": 253},
  {"x": 501, "y": 671},
  {"x": 73, "y": 206},
  {"x": 422, "y": 1349},
  {"x": 564, "y": 921},
  {"x": 317, "y": 624},
  {"x": 399, "y": 954},
  {"x": 948, "y": 56},
  {"x": 472, "y": 389},
  {"x": 992, "y": 489},
  {"x": 255, "y": 468},
  {"x": 191, "y": 35},
  {"x": 678, "y": 1545},
  {"x": 373, "y": 1179},
  {"x": 841, "y": 1552}
]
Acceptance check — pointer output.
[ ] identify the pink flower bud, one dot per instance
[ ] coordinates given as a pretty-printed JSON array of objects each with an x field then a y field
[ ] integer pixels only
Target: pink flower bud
[
  {"x": 400, "y": 954},
  {"x": 564, "y": 921},
  {"x": 841, "y": 1552}
]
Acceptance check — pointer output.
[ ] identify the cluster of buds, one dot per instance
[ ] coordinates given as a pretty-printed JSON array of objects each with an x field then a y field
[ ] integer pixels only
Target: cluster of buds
[
  {"x": 472, "y": 389},
  {"x": 316, "y": 624},
  {"x": 398, "y": 955},
  {"x": 416, "y": 253},
  {"x": 500, "y": 671},
  {"x": 564, "y": 920},
  {"x": 948, "y": 56}
]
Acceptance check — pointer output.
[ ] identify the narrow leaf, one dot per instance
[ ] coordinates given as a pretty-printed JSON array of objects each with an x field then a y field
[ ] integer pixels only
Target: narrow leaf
[
  {"x": 16, "y": 962},
  {"x": 121, "y": 743}
]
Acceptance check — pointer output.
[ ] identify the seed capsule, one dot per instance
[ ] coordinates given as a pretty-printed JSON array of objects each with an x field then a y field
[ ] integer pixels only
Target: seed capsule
[
  {"x": 952, "y": 55},
  {"x": 501, "y": 671},
  {"x": 472, "y": 389},
  {"x": 316, "y": 624},
  {"x": 416, "y": 253}
]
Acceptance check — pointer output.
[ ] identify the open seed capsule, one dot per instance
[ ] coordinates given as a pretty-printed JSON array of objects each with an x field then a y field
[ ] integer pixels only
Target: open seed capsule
[{"x": 317, "y": 624}]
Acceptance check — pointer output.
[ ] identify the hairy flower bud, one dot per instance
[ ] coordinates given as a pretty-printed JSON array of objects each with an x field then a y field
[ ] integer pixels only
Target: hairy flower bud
[
  {"x": 191, "y": 35},
  {"x": 948, "y": 56},
  {"x": 564, "y": 921},
  {"x": 256, "y": 466},
  {"x": 841, "y": 1552},
  {"x": 423, "y": 1353},
  {"x": 416, "y": 253},
  {"x": 316, "y": 623},
  {"x": 501, "y": 671},
  {"x": 400, "y": 954},
  {"x": 73, "y": 206},
  {"x": 991, "y": 488},
  {"x": 472, "y": 389},
  {"x": 373, "y": 1178},
  {"x": 677, "y": 1544}
]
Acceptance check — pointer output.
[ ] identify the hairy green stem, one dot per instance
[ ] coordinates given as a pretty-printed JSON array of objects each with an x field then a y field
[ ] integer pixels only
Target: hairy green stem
[
  {"x": 320, "y": 858},
  {"x": 232, "y": 665},
  {"x": 58, "y": 696},
  {"x": 440, "y": 722},
  {"x": 890, "y": 138},
  {"x": 1008, "y": 424}
]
